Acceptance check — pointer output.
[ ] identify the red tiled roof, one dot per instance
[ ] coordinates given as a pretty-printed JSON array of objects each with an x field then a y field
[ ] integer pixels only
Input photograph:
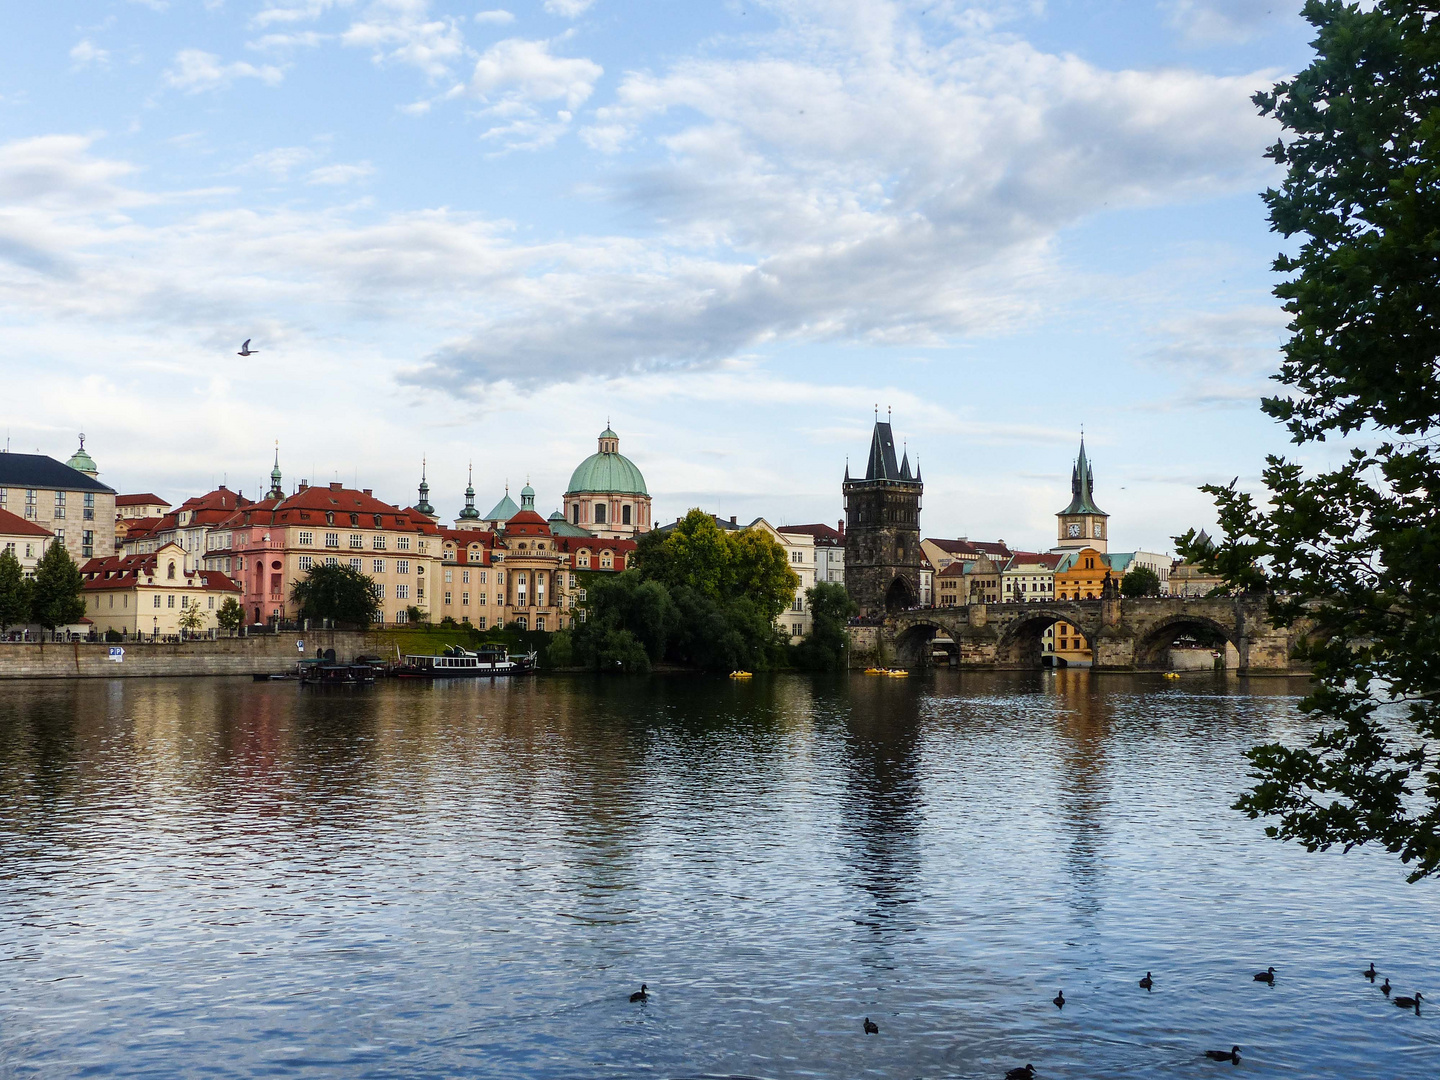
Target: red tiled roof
[
  {"x": 14, "y": 525},
  {"x": 825, "y": 535},
  {"x": 140, "y": 500},
  {"x": 1033, "y": 558},
  {"x": 954, "y": 547},
  {"x": 125, "y": 572},
  {"x": 955, "y": 569}
]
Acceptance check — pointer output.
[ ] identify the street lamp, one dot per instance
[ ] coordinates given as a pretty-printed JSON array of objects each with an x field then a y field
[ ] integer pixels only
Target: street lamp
[{"x": 155, "y": 633}]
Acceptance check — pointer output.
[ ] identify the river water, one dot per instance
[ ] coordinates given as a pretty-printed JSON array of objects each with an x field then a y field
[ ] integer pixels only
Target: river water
[{"x": 221, "y": 878}]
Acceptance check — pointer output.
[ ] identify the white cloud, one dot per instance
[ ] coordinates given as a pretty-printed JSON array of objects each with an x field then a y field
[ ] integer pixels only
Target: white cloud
[
  {"x": 281, "y": 161},
  {"x": 304, "y": 11},
  {"x": 401, "y": 31},
  {"x": 1212, "y": 22},
  {"x": 86, "y": 53},
  {"x": 528, "y": 70},
  {"x": 569, "y": 9},
  {"x": 339, "y": 175},
  {"x": 305, "y": 39},
  {"x": 195, "y": 70},
  {"x": 497, "y": 17}
]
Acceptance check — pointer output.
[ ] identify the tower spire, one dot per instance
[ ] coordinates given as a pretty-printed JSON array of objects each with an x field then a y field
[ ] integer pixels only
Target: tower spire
[
  {"x": 470, "y": 513},
  {"x": 277, "y": 490},
  {"x": 424, "y": 504}
]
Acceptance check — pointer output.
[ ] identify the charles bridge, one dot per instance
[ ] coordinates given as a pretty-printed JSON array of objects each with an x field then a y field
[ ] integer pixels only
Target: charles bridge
[{"x": 1125, "y": 634}]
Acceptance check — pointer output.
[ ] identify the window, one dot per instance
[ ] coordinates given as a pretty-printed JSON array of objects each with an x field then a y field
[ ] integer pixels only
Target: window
[
  {"x": 402, "y": 543},
  {"x": 797, "y": 629},
  {"x": 402, "y": 616},
  {"x": 464, "y": 577},
  {"x": 448, "y": 600},
  {"x": 606, "y": 562},
  {"x": 356, "y": 564},
  {"x": 357, "y": 540},
  {"x": 87, "y": 543},
  {"x": 275, "y": 580},
  {"x": 305, "y": 563},
  {"x": 600, "y": 513},
  {"x": 378, "y": 542},
  {"x": 581, "y": 594},
  {"x": 4, "y": 498},
  {"x": 575, "y": 514},
  {"x": 30, "y": 512},
  {"x": 582, "y": 558},
  {"x": 306, "y": 539},
  {"x": 480, "y": 623},
  {"x": 59, "y": 505},
  {"x": 89, "y": 511},
  {"x": 483, "y": 600},
  {"x": 332, "y": 540},
  {"x": 422, "y": 547},
  {"x": 157, "y": 599},
  {"x": 524, "y": 622},
  {"x": 482, "y": 577},
  {"x": 449, "y": 576},
  {"x": 211, "y": 604},
  {"x": 331, "y": 560},
  {"x": 377, "y": 566},
  {"x": 184, "y": 601},
  {"x": 625, "y": 514},
  {"x": 354, "y": 521},
  {"x": 379, "y": 592},
  {"x": 464, "y": 599},
  {"x": 170, "y": 600},
  {"x": 797, "y": 556},
  {"x": 402, "y": 592},
  {"x": 798, "y": 604},
  {"x": 540, "y": 622},
  {"x": 402, "y": 566}
]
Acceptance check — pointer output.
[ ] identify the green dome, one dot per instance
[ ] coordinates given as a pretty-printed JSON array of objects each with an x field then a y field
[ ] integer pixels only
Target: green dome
[
  {"x": 609, "y": 473},
  {"x": 80, "y": 461}
]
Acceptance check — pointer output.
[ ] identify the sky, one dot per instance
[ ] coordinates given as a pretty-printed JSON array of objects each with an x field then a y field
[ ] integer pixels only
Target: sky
[{"x": 733, "y": 229}]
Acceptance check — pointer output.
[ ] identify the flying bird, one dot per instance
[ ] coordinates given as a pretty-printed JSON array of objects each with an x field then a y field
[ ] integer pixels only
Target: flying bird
[{"x": 246, "y": 350}]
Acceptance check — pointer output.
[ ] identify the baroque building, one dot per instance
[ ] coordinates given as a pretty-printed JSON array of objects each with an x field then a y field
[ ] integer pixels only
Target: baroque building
[
  {"x": 1082, "y": 524},
  {"x": 607, "y": 494},
  {"x": 882, "y": 529}
]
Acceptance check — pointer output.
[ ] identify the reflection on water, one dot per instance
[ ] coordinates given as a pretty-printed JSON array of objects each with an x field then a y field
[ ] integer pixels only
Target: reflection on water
[{"x": 229, "y": 878}]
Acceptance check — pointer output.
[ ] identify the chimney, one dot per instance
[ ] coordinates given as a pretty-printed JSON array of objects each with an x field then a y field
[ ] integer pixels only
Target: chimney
[
  {"x": 840, "y": 526},
  {"x": 335, "y": 485},
  {"x": 365, "y": 491},
  {"x": 304, "y": 484},
  {"x": 732, "y": 520}
]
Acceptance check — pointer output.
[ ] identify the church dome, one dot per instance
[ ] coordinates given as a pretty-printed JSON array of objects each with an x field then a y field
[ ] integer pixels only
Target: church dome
[
  {"x": 81, "y": 461},
  {"x": 609, "y": 471}
]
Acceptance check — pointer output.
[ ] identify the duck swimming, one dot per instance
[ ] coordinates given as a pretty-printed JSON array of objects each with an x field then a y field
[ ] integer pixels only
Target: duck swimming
[
  {"x": 1059, "y": 1000},
  {"x": 1385, "y": 989},
  {"x": 1147, "y": 982},
  {"x": 1232, "y": 1055},
  {"x": 871, "y": 1028},
  {"x": 1267, "y": 976},
  {"x": 1371, "y": 973},
  {"x": 640, "y": 995},
  {"x": 1411, "y": 1003},
  {"x": 1027, "y": 1073}
]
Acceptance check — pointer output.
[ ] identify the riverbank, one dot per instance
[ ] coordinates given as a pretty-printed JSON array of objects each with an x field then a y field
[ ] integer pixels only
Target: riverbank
[{"x": 270, "y": 654}]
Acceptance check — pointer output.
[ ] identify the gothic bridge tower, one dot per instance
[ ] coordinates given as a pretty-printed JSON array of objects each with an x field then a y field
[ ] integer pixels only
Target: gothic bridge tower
[{"x": 882, "y": 529}]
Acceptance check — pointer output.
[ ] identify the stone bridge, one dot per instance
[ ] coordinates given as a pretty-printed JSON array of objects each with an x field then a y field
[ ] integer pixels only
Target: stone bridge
[{"x": 1124, "y": 634}]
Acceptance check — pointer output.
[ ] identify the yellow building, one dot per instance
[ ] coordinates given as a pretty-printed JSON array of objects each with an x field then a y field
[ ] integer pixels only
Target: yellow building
[
  {"x": 25, "y": 540},
  {"x": 146, "y": 595},
  {"x": 66, "y": 499}
]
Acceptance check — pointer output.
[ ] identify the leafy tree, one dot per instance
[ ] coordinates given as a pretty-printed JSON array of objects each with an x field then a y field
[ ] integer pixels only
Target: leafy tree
[
  {"x": 230, "y": 616},
  {"x": 560, "y": 652},
  {"x": 1354, "y": 551},
  {"x": 827, "y": 645},
  {"x": 15, "y": 602},
  {"x": 338, "y": 593},
  {"x": 642, "y": 609},
  {"x": 693, "y": 555},
  {"x": 1140, "y": 581},
  {"x": 191, "y": 619},
  {"x": 760, "y": 571},
  {"x": 56, "y": 589}
]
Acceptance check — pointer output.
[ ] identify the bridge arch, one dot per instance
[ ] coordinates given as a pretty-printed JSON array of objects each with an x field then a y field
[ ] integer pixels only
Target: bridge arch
[
  {"x": 899, "y": 596},
  {"x": 1152, "y": 648},
  {"x": 1022, "y": 643},
  {"x": 913, "y": 640}
]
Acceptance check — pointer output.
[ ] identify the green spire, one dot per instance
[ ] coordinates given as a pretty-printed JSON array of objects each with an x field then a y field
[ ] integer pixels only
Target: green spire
[
  {"x": 424, "y": 504},
  {"x": 276, "y": 490},
  {"x": 470, "y": 513}
]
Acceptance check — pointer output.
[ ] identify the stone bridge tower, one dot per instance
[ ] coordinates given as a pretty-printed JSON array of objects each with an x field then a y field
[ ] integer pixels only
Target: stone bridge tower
[{"x": 882, "y": 529}]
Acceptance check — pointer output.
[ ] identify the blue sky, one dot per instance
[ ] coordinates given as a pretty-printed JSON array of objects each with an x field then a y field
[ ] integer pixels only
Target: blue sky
[{"x": 475, "y": 231}]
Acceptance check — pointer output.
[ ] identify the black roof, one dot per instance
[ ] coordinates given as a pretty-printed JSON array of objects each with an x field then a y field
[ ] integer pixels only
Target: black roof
[{"x": 40, "y": 471}]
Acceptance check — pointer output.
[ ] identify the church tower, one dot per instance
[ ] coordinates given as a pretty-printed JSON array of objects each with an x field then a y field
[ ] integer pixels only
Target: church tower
[
  {"x": 1082, "y": 523},
  {"x": 882, "y": 529}
]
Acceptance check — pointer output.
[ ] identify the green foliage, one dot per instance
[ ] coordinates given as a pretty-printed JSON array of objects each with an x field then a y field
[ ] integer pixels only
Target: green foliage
[
  {"x": 696, "y": 595},
  {"x": 191, "y": 619},
  {"x": 55, "y": 594},
  {"x": 338, "y": 593},
  {"x": 1354, "y": 553},
  {"x": 114, "y": 635},
  {"x": 827, "y": 646},
  {"x": 560, "y": 653},
  {"x": 15, "y": 600},
  {"x": 417, "y": 616},
  {"x": 1140, "y": 581},
  {"x": 230, "y": 616}
]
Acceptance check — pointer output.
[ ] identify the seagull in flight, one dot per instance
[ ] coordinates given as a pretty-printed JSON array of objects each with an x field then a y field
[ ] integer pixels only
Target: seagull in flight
[{"x": 246, "y": 350}]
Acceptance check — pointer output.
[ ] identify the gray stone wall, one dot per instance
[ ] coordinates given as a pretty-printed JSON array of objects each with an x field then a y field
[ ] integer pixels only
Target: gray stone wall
[{"x": 266, "y": 654}]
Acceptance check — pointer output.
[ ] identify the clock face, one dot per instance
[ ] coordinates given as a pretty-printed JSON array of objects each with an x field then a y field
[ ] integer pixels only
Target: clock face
[
  {"x": 1099, "y": 530},
  {"x": 1075, "y": 528}
]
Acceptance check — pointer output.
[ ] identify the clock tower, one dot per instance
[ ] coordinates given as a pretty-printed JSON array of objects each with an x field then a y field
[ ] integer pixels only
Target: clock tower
[{"x": 1082, "y": 523}]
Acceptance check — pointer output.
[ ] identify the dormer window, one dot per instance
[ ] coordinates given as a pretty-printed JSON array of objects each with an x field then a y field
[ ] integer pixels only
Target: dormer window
[
  {"x": 329, "y": 517},
  {"x": 354, "y": 521}
]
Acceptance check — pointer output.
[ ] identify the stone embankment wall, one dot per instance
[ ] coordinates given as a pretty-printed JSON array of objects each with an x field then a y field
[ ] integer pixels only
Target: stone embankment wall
[{"x": 264, "y": 654}]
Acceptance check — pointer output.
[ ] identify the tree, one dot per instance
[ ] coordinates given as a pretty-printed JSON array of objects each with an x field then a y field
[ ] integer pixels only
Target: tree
[
  {"x": 828, "y": 643},
  {"x": 560, "y": 652},
  {"x": 15, "y": 601},
  {"x": 231, "y": 615},
  {"x": 1354, "y": 552},
  {"x": 760, "y": 571},
  {"x": 338, "y": 593},
  {"x": 1140, "y": 581},
  {"x": 55, "y": 593},
  {"x": 191, "y": 619}
]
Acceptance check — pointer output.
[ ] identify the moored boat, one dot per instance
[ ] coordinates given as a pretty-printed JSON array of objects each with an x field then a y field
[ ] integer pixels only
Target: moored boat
[{"x": 457, "y": 663}]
